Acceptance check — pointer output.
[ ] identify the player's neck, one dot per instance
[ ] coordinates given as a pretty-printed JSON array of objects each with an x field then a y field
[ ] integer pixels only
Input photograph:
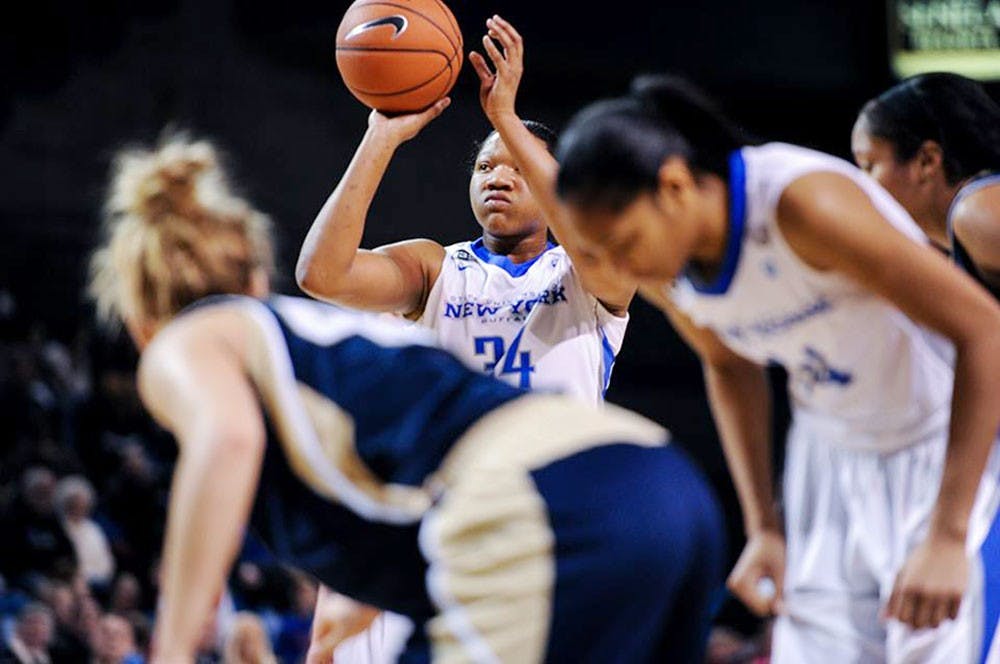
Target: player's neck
[
  {"x": 519, "y": 249},
  {"x": 936, "y": 225},
  {"x": 713, "y": 222}
]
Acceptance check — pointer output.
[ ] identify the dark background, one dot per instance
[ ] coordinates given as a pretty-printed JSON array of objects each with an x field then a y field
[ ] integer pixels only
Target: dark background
[{"x": 259, "y": 79}]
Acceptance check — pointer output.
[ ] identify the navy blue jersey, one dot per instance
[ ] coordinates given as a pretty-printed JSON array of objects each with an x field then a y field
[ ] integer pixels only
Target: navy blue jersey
[{"x": 359, "y": 412}]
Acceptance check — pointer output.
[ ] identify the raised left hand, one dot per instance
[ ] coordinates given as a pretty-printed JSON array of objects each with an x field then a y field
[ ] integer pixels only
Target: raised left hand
[{"x": 498, "y": 91}]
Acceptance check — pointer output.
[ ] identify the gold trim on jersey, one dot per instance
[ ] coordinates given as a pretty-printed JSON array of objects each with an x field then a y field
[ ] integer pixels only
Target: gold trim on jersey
[
  {"x": 537, "y": 429},
  {"x": 317, "y": 435},
  {"x": 492, "y": 569}
]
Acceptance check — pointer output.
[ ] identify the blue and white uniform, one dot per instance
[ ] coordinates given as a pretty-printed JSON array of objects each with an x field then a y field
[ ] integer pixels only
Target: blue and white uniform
[
  {"x": 398, "y": 476},
  {"x": 871, "y": 394},
  {"x": 531, "y": 324},
  {"x": 958, "y": 252}
]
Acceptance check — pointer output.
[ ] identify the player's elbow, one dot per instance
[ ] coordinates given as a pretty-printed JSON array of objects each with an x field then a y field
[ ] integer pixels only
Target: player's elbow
[
  {"x": 315, "y": 280},
  {"x": 306, "y": 272}
]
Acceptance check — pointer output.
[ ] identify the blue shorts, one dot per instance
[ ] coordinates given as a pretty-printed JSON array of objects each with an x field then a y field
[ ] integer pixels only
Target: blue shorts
[{"x": 614, "y": 553}]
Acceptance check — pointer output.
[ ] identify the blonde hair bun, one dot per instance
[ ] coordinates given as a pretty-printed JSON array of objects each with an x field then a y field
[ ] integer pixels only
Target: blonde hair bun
[
  {"x": 174, "y": 232},
  {"x": 178, "y": 180}
]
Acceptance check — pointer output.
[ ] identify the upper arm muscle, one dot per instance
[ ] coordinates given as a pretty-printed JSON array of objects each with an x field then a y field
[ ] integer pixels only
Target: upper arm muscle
[
  {"x": 395, "y": 278},
  {"x": 192, "y": 380},
  {"x": 977, "y": 227},
  {"x": 831, "y": 223}
]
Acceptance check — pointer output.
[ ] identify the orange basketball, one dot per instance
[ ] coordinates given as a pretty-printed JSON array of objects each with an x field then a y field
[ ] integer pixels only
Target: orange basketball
[{"x": 399, "y": 55}]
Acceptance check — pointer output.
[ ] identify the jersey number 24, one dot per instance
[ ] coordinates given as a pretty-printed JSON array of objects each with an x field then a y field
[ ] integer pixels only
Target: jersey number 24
[{"x": 515, "y": 361}]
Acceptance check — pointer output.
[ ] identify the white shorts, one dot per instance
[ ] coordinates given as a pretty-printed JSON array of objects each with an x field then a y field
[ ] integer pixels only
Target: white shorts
[{"x": 851, "y": 519}]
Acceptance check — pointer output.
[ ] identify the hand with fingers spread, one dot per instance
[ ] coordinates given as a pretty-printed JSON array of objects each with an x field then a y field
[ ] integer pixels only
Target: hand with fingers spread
[
  {"x": 763, "y": 558},
  {"x": 498, "y": 88},
  {"x": 400, "y": 128},
  {"x": 929, "y": 587}
]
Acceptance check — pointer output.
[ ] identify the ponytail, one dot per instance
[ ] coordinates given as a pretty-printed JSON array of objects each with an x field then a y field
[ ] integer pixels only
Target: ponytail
[{"x": 711, "y": 135}]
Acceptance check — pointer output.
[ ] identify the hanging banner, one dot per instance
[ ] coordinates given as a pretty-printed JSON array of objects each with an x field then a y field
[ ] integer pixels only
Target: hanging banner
[{"x": 961, "y": 36}]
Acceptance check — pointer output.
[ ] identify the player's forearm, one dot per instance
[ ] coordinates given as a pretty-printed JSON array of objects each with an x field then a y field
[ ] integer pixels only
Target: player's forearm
[
  {"x": 334, "y": 238},
  {"x": 539, "y": 169},
  {"x": 740, "y": 397},
  {"x": 210, "y": 500},
  {"x": 537, "y": 165},
  {"x": 975, "y": 419}
]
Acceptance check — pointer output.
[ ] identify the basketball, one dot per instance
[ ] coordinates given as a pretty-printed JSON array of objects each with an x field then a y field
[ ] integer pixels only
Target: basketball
[{"x": 399, "y": 56}]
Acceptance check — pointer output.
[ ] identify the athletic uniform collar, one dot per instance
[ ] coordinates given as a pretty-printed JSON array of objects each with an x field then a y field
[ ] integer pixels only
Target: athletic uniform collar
[
  {"x": 509, "y": 266},
  {"x": 734, "y": 243}
]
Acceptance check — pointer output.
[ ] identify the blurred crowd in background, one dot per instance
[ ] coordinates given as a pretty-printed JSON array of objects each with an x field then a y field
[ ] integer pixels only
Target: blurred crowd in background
[{"x": 84, "y": 476}]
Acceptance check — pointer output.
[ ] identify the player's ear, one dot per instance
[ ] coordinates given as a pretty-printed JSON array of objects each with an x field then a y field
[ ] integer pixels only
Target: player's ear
[
  {"x": 929, "y": 160},
  {"x": 675, "y": 182}
]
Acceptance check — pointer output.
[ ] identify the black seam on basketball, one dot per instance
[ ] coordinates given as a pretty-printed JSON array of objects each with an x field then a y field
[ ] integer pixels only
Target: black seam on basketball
[
  {"x": 410, "y": 89},
  {"x": 394, "y": 50},
  {"x": 414, "y": 11},
  {"x": 454, "y": 23},
  {"x": 398, "y": 92},
  {"x": 448, "y": 81}
]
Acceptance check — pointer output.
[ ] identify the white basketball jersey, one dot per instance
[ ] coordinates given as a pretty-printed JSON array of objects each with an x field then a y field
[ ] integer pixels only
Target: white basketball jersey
[
  {"x": 531, "y": 324},
  {"x": 856, "y": 364}
]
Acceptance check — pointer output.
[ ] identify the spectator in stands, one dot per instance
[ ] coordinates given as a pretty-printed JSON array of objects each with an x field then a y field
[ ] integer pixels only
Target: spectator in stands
[
  {"x": 116, "y": 642},
  {"x": 29, "y": 643},
  {"x": 70, "y": 643},
  {"x": 74, "y": 501},
  {"x": 35, "y": 545},
  {"x": 134, "y": 498},
  {"x": 126, "y": 594}
]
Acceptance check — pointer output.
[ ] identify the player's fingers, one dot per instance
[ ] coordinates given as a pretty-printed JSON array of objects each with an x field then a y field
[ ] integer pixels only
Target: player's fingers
[
  {"x": 940, "y": 613},
  {"x": 439, "y": 106},
  {"x": 503, "y": 32},
  {"x": 516, "y": 41},
  {"x": 479, "y": 65},
  {"x": 923, "y": 611},
  {"x": 495, "y": 55},
  {"x": 778, "y": 579},
  {"x": 909, "y": 605},
  {"x": 953, "y": 607},
  {"x": 434, "y": 110},
  {"x": 744, "y": 587},
  {"x": 889, "y": 611}
]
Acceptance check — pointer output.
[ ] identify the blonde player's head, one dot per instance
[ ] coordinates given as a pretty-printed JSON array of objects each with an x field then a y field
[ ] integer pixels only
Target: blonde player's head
[{"x": 174, "y": 232}]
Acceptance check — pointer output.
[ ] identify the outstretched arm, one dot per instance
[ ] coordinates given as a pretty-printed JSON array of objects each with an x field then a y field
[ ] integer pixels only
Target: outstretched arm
[
  {"x": 739, "y": 394},
  {"x": 832, "y": 225},
  {"x": 192, "y": 382},
  {"x": 497, "y": 94},
  {"x": 333, "y": 267}
]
